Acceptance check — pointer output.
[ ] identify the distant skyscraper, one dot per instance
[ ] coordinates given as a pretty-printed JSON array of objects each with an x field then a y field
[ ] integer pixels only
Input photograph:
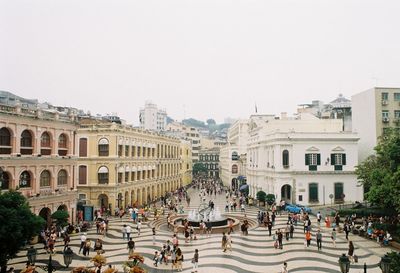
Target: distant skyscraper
[{"x": 152, "y": 118}]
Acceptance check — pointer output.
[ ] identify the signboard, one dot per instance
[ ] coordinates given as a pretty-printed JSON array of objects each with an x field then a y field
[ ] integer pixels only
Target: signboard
[{"x": 88, "y": 212}]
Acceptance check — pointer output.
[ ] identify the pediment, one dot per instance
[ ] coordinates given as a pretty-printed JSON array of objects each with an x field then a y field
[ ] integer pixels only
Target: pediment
[
  {"x": 312, "y": 149},
  {"x": 338, "y": 149}
]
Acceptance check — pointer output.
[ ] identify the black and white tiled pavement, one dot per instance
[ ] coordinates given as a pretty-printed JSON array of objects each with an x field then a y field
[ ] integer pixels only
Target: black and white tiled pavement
[{"x": 252, "y": 253}]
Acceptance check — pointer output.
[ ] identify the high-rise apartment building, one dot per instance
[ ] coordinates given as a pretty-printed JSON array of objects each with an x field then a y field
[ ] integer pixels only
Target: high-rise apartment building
[
  {"x": 152, "y": 118},
  {"x": 374, "y": 111}
]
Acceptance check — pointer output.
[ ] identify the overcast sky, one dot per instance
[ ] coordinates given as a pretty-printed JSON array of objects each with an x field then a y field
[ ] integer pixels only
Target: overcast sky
[{"x": 205, "y": 58}]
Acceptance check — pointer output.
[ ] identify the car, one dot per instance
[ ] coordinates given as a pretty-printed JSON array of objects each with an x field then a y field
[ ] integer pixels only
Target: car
[{"x": 294, "y": 208}]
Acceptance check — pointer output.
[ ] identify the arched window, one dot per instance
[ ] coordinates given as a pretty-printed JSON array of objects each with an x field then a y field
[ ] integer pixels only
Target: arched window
[
  {"x": 103, "y": 147},
  {"x": 25, "y": 180},
  {"x": 45, "y": 178},
  {"x": 313, "y": 192},
  {"x": 285, "y": 158},
  {"x": 235, "y": 156},
  {"x": 45, "y": 144},
  {"x": 234, "y": 169},
  {"x": 5, "y": 141},
  {"x": 103, "y": 175},
  {"x": 62, "y": 178},
  {"x": 5, "y": 184},
  {"x": 26, "y": 143},
  {"x": 62, "y": 145}
]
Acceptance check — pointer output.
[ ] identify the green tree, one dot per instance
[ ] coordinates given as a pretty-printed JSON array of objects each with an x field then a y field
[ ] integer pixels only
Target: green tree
[
  {"x": 380, "y": 173},
  {"x": 394, "y": 262},
  {"x": 211, "y": 121},
  {"x": 262, "y": 197},
  {"x": 270, "y": 198},
  {"x": 199, "y": 168},
  {"x": 62, "y": 217},
  {"x": 18, "y": 224}
]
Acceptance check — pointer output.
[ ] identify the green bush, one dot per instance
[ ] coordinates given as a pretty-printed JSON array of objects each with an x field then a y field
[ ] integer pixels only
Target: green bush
[
  {"x": 261, "y": 196},
  {"x": 61, "y": 216},
  {"x": 270, "y": 199},
  {"x": 365, "y": 212}
]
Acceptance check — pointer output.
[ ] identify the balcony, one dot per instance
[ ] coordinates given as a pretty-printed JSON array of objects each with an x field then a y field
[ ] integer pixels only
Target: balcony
[
  {"x": 385, "y": 119},
  {"x": 385, "y": 102}
]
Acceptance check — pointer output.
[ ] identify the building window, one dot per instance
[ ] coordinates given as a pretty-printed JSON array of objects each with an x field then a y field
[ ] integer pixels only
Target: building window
[
  {"x": 338, "y": 160},
  {"x": 62, "y": 145},
  {"x": 339, "y": 196},
  {"x": 25, "y": 180},
  {"x": 126, "y": 176},
  {"x": 103, "y": 147},
  {"x": 234, "y": 169},
  {"x": 45, "y": 144},
  {"x": 26, "y": 143},
  {"x": 385, "y": 116},
  {"x": 396, "y": 96},
  {"x": 83, "y": 147},
  {"x": 312, "y": 161},
  {"x": 120, "y": 148},
  {"x": 62, "y": 178},
  {"x": 385, "y": 96},
  {"x": 313, "y": 192},
  {"x": 45, "y": 178},
  {"x": 119, "y": 177},
  {"x": 138, "y": 151},
  {"x": 82, "y": 175},
  {"x": 5, "y": 141},
  {"x": 397, "y": 114},
  {"x": 235, "y": 156},
  {"x": 103, "y": 175},
  {"x": 133, "y": 151},
  {"x": 126, "y": 150},
  {"x": 285, "y": 158}
]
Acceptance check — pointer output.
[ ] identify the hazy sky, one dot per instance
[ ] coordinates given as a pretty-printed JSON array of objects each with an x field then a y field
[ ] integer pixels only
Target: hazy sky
[{"x": 213, "y": 58}]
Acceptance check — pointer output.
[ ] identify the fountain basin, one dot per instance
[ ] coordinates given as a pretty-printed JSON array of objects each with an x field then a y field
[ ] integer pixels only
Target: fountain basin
[{"x": 218, "y": 226}]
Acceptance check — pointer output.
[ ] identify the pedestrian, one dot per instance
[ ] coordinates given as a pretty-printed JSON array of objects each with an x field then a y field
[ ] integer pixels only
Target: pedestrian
[
  {"x": 131, "y": 246},
  {"x": 128, "y": 232},
  {"x": 209, "y": 228},
  {"x": 319, "y": 239},
  {"x": 224, "y": 241},
  {"x": 153, "y": 230},
  {"x": 138, "y": 227},
  {"x": 291, "y": 230},
  {"x": 269, "y": 227},
  {"x": 179, "y": 259},
  {"x": 86, "y": 247},
  {"x": 98, "y": 246},
  {"x": 319, "y": 217},
  {"x": 346, "y": 229},
  {"x": 195, "y": 261},
  {"x": 123, "y": 230},
  {"x": 287, "y": 231},
  {"x": 308, "y": 238},
  {"x": 156, "y": 258},
  {"x": 280, "y": 237},
  {"x": 229, "y": 241},
  {"x": 284, "y": 268},
  {"x": 67, "y": 239},
  {"x": 83, "y": 240},
  {"x": 333, "y": 237},
  {"x": 350, "y": 253}
]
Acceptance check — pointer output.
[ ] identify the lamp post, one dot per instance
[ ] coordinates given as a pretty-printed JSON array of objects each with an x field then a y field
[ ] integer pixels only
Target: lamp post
[
  {"x": 68, "y": 254},
  {"x": 344, "y": 263},
  {"x": 31, "y": 254},
  {"x": 385, "y": 264}
]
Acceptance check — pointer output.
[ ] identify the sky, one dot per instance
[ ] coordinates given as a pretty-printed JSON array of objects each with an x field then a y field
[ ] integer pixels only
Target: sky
[{"x": 201, "y": 59}]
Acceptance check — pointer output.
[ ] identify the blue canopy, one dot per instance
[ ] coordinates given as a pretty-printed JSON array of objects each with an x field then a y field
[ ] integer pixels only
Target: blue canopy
[{"x": 244, "y": 187}]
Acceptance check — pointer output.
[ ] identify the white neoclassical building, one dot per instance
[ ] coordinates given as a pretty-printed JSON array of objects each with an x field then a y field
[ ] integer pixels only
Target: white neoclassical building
[{"x": 303, "y": 160}]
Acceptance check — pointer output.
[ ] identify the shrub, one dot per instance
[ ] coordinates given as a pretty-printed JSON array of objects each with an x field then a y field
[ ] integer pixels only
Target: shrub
[
  {"x": 270, "y": 199},
  {"x": 61, "y": 216}
]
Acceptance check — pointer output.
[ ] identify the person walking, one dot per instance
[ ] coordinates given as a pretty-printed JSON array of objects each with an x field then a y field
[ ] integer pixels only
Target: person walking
[
  {"x": 319, "y": 239},
  {"x": 131, "y": 246},
  {"x": 350, "y": 253},
  {"x": 269, "y": 228},
  {"x": 346, "y": 229},
  {"x": 179, "y": 259},
  {"x": 287, "y": 231},
  {"x": 280, "y": 238},
  {"x": 229, "y": 241},
  {"x": 128, "y": 232},
  {"x": 139, "y": 227},
  {"x": 224, "y": 241},
  {"x": 291, "y": 230},
  {"x": 153, "y": 230},
  {"x": 308, "y": 238},
  {"x": 67, "y": 239},
  {"x": 195, "y": 261},
  {"x": 86, "y": 247},
  {"x": 83, "y": 240},
  {"x": 284, "y": 268},
  {"x": 333, "y": 237}
]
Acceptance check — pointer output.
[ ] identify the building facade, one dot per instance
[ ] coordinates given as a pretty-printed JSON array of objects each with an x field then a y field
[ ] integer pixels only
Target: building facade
[
  {"x": 185, "y": 132},
  {"x": 152, "y": 118},
  {"x": 374, "y": 111},
  {"x": 210, "y": 159},
  {"x": 120, "y": 166},
  {"x": 304, "y": 160},
  {"x": 186, "y": 162},
  {"x": 38, "y": 159}
]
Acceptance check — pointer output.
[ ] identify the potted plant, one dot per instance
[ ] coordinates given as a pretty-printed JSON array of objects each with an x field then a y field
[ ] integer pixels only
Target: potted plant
[
  {"x": 261, "y": 197},
  {"x": 133, "y": 264}
]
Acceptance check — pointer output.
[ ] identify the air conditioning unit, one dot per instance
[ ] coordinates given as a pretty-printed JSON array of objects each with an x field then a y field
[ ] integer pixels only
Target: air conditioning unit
[
  {"x": 385, "y": 102},
  {"x": 385, "y": 120}
]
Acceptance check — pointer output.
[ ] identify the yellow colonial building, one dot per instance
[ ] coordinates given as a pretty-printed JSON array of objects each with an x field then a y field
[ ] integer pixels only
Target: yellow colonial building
[
  {"x": 186, "y": 162},
  {"x": 120, "y": 166},
  {"x": 37, "y": 157}
]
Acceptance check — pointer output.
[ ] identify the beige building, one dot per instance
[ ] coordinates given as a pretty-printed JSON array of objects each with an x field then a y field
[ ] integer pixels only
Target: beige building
[
  {"x": 120, "y": 166},
  {"x": 37, "y": 157},
  {"x": 186, "y": 162},
  {"x": 191, "y": 133},
  {"x": 374, "y": 111}
]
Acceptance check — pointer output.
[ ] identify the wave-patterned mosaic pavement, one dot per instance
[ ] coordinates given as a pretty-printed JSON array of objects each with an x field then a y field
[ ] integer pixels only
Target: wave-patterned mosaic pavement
[{"x": 251, "y": 253}]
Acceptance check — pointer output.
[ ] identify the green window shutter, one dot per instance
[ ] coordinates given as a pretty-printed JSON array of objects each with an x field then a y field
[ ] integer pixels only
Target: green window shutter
[
  {"x": 344, "y": 159},
  {"x": 333, "y": 159},
  {"x": 318, "y": 159},
  {"x": 307, "y": 159}
]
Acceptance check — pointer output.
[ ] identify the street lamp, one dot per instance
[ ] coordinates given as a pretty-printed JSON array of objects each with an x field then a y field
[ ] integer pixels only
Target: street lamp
[
  {"x": 385, "y": 264},
  {"x": 31, "y": 254},
  {"x": 68, "y": 254},
  {"x": 344, "y": 263}
]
